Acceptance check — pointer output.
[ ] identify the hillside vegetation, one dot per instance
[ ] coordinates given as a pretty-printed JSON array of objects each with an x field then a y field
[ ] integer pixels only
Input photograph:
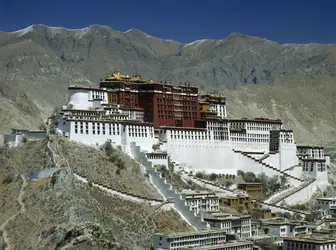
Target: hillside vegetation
[{"x": 114, "y": 169}]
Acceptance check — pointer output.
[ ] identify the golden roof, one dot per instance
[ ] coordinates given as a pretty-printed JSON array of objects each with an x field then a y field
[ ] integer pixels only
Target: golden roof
[
  {"x": 118, "y": 76},
  {"x": 213, "y": 96}
]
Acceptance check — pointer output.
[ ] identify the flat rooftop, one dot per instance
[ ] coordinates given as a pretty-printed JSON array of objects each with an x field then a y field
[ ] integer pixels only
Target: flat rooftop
[
  {"x": 228, "y": 244},
  {"x": 327, "y": 199},
  {"x": 197, "y": 192},
  {"x": 223, "y": 216},
  {"x": 313, "y": 239},
  {"x": 190, "y": 233}
]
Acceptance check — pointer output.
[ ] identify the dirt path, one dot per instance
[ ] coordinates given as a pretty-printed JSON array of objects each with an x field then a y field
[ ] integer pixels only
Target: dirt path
[{"x": 22, "y": 210}]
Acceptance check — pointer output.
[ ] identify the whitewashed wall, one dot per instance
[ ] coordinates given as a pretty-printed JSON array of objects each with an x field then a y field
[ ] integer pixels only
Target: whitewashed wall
[
  {"x": 158, "y": 161},
  {"x": 79, "y": 99},
  {"x": 211, "y": 156},
  {"x": 287, "y": 151},
  {"x": 255, "y": 155},
  {"x": 249, "y": 165},
  {"x": 273, "y": 160},
  {"x": 146, "y": 142},
  {"x": 93, "y": 139},
  {"x": 302, "y": 196}
]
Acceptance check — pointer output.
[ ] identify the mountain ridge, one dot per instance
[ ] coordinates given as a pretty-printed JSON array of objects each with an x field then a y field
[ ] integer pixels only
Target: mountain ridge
[{"x": 42, "y": 61}]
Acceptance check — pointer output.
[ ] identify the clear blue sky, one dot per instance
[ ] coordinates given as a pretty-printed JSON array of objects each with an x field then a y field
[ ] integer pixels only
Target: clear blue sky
[{"x": 284, "y": 21}]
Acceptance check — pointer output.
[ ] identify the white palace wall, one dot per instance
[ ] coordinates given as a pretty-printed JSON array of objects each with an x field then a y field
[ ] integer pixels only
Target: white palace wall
[
  {"x": 287, "y": 149},
  {"x": 211, "y": 156},
  {"x": 93, "y": 133},
  {"x": 249, "y": 165},
  {"x": 158, "y": 159},
  {"x": 83, "y": 98},
  {"x": 273, "y": 160},
  {"x": 98, "y": 133},
  {"x": 140, "y": 134},
  {"x": 302, "y": 196},
  {"x": 296, "y": 172}
]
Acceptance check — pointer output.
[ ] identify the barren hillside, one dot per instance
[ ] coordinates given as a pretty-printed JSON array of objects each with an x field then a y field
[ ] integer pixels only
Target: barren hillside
[
  {"x": 50, "y": 213},
  {"x": 295, "y": 82}
]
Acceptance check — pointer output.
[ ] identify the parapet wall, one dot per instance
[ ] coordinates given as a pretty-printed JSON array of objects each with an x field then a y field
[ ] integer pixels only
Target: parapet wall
[
  {"x": 301, "y": 196},
  {"x": 119, "y": 192}
]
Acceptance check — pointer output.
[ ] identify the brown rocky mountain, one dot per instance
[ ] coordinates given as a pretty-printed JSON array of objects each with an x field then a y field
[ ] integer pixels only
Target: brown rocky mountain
[{"x": 261, "y": 78}]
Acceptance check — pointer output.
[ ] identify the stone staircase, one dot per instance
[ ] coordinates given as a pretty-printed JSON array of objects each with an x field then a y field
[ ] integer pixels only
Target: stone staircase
[
  {"x": 167, "y": 190},
  {"x": 269, "y": 166},
  {"x": 265, "y": 156},
  {"x": 291, "y": 168},
  {"x": 290, "y": 192}
]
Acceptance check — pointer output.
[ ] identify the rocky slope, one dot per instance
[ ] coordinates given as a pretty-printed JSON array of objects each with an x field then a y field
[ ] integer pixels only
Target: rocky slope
[
  {"x": 61, "y": 211},
  {"x": 261, "y": 78}
]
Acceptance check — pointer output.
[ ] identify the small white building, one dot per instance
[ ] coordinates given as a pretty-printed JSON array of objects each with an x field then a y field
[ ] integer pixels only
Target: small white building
[
  {"x": 230, "y": 245},
  {"x": 201, "y": 201},
  {"x": 175, "y": 241},
  {"x": 326, "y": 206},
  {"x": 309, "y": 242},
  {"x": 284, "y": 228},
  {"x": 19, "y": 136},
  {"x": 240, "y": 225},
  {"x": 158, "y": 158},
  {"x": 325, "y": 203}
]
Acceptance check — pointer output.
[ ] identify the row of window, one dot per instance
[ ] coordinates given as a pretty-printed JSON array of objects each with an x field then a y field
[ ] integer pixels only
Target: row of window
[
  {"x": 97, "y": 94},
  {"x": 319, "y": 169}
]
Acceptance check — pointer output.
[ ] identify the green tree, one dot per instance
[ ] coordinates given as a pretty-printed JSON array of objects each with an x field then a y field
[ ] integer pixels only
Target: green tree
[
  {"x": 296, "y": 216},
  {"x": 213, "y": 177},
  {"x": 240, "y": 173},
  {"x": 249, "y": 177},
  {"x": 274, "y": 184},
  {"x": 108, "y": 148},
  {"x": 199, "y": 175},
  {"x": 228, "y": 183},
  {"x": 283, "y": 181}
]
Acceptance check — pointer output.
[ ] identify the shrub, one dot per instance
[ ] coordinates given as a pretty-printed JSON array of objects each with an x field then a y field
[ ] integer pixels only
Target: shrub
[
  {"x": 228, "y": 183},
  {"x": 155, "y": 147},
  {"x": 90, "y": 184},
  {"x": 118, "y": 171},
  {"x": 120, "y": 164},
  {"x": 200, "y": 175},
  {"x": 249, "y": 177},
  {"x": 212, "y": 177},
  {"x": 240, "y": 173},
  {"x": 8, "y": 179},
  {"x": 163, "y": 168}
]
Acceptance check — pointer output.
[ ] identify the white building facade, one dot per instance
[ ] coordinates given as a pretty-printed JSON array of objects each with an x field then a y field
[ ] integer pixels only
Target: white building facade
[
  {"x": 309, "y": 242},
  {"x": 219, "y": 145},
  {"x": 201, "y": 201}
]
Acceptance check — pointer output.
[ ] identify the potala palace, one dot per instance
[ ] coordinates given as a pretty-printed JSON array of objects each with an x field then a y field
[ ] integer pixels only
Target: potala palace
[{"x": 192, "y": 130}]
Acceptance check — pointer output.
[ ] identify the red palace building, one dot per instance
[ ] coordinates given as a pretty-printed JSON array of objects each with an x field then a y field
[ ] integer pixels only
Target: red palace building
[{"x": 163, "y": 104}]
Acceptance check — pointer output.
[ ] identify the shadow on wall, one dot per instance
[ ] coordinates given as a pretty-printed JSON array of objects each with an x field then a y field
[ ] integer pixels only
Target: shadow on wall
[{"x": 166, "y": 189}]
